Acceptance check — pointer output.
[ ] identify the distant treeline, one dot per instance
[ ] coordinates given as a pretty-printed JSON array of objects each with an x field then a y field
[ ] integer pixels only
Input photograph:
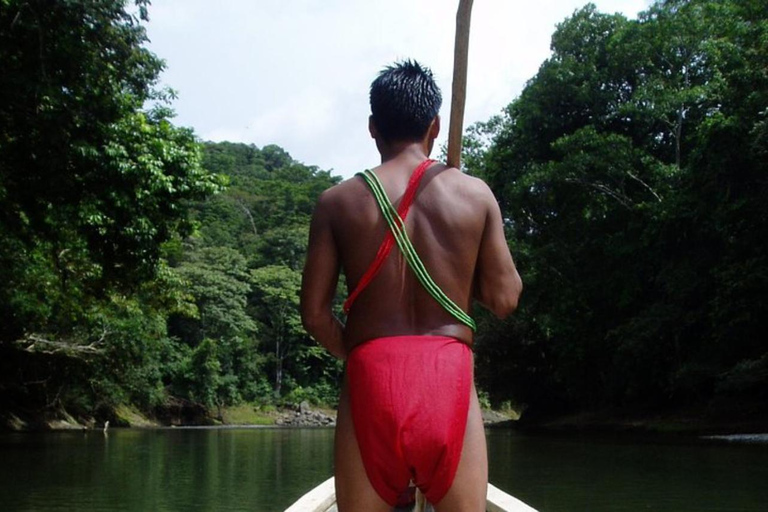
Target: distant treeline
[{"x": 138, "y": 265}]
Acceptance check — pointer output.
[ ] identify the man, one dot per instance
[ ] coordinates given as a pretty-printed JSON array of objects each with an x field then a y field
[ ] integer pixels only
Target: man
[{"x": 408, "y": 409}]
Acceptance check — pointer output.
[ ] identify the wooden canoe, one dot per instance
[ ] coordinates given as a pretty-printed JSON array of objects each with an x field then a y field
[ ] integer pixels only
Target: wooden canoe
[{"x": 323, "y": 499}]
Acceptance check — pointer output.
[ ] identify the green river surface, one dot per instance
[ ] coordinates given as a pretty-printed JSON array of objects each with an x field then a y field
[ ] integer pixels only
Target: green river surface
[{"x": 265, "y": 469}]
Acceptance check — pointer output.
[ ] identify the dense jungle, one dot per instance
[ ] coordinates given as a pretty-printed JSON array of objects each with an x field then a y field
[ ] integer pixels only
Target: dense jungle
[{"x": 141, "y": 267}]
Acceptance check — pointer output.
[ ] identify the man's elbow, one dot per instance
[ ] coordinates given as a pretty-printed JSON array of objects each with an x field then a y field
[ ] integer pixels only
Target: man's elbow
[
  {"x": 503, "y": 308},
  {"x": 506, "y": 304},
  {"x": 311, "y": 320}
]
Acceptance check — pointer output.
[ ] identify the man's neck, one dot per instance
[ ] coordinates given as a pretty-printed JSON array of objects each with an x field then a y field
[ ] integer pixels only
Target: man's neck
[{"x": 404, "y": 151}]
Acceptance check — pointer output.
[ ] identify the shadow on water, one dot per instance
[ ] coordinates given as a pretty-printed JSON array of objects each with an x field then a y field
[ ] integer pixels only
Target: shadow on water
[{"x": 621, "y": 473}]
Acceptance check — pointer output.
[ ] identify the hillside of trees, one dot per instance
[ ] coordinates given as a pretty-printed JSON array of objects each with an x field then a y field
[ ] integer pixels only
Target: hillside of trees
[
  {"x": 141, "y": 266},
  {"x": 217, "y": 325}
]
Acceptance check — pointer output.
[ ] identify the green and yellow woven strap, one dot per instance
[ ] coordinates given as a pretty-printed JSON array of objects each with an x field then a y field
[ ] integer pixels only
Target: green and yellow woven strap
[{"x": 397, "y": 226}]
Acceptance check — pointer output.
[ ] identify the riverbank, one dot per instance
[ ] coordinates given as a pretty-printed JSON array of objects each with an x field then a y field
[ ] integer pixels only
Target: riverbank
[
  {"x": 702, "y": 421},
  {"x": 185, "y": 415},
  {"x": 694, "y": 421},
  {"x": 126, "y": 416}
]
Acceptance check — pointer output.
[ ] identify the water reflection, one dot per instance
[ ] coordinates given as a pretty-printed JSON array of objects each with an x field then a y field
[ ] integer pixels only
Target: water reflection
[
  {"x": 162, "y": 470},
  {"x": 264, "y": 470}
]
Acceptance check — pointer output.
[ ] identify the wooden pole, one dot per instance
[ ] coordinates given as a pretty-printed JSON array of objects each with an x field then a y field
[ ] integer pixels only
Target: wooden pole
[{"x": 459, "y": 92}]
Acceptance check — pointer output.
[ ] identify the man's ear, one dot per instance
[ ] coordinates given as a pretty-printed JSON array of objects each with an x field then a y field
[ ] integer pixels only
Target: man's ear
[
  {"x": 434, "y": 128},
  {"x": 432, "y": 132},
  {"x": 372, "y": 128}
]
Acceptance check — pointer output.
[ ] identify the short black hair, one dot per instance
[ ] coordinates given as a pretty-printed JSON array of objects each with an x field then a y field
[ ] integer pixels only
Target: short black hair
[{"x": 404, "y": 101}]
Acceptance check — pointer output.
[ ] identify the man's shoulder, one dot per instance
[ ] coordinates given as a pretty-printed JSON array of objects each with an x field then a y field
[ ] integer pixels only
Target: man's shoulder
[
  {"x": 340, "y": 194},
  {"x": 467, "y": 185},
  {"x": 458, "y": 182}
]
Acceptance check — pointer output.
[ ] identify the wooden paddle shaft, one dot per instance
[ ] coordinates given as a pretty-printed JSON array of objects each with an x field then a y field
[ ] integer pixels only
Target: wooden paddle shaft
[{"x": 459, "y": 92}]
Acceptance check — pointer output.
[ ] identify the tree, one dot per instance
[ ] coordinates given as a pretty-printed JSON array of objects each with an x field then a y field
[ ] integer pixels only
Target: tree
[
  {"x": 276, "y": 300},
  {"x": 218, "y": 280},
  {"x": 91, "y": 183},
  {"x": 264, "y": 215},
  {"x": 94, "y": 180},
  {"x": 631, "y": 171}
]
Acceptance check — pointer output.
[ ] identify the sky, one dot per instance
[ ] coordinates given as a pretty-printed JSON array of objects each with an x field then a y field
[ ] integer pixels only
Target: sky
[{"x": 296, "y": 73}]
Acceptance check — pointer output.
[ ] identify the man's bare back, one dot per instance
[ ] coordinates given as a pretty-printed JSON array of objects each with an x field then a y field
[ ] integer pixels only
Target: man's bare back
[
  {"x": 456, "y": 228},
  {"x": 452, "y": 218}
]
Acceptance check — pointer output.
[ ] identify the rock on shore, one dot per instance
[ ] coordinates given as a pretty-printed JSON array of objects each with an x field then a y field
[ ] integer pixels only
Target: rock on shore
[
  {"x": 302, "y": 415},
  {"x": 305, "y": 416}
]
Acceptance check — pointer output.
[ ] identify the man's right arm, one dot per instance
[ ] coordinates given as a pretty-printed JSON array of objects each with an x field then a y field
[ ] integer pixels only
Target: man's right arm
[
  {"x": 497, "y": 283},
  {"x": 318, "y": 285}
]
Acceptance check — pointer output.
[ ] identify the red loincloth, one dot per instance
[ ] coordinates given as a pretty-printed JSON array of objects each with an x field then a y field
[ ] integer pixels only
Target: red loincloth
[{"x": 409, "y": 399}]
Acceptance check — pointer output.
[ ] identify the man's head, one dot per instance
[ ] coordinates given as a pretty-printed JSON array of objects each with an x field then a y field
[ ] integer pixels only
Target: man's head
[{"x": 405, "y": 100}]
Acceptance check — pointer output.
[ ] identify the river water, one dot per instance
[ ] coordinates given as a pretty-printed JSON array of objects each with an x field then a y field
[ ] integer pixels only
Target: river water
[{"x": 266, "y": 469}]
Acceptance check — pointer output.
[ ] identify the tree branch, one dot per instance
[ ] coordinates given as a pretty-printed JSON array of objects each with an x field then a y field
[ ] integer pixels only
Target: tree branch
[
  {"x": 644, "y": 184},
  {"x": 36, "y": 343}
]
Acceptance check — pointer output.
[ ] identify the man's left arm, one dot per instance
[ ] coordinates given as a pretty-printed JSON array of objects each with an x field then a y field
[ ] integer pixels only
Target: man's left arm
[{"x": 318, "y": 285}]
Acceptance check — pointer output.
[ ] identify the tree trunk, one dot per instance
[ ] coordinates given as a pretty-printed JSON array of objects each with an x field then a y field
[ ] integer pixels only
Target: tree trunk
[{"x": 278, "y": 369}]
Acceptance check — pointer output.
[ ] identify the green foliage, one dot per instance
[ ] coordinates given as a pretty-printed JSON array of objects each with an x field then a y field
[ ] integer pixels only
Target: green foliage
[
  {"x": 218, "y": 280},
  {"x": 132, "y": 334},
  {"x": 632, "y": 173},
  {"x": 243, "y": 272},
  {"x": 276, "y": 305},
  {"x": 204, "y": 373},
  {"x": 91, "y": 184},
  {"x": 125, "y": 277},
  {"x": 323, "y": 394},
  {"x": 266, "y": 210}
]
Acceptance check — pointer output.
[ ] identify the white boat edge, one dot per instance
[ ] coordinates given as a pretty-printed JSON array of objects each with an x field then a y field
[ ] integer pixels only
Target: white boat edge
[
  {"x": 323, "y": 497},
  {"x": 499, "y": 501},
  {"x": 319, "y": 499}
]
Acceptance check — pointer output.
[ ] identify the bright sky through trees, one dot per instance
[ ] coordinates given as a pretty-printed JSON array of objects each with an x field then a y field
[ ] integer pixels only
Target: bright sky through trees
[{"x": 296, "y": 72}]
